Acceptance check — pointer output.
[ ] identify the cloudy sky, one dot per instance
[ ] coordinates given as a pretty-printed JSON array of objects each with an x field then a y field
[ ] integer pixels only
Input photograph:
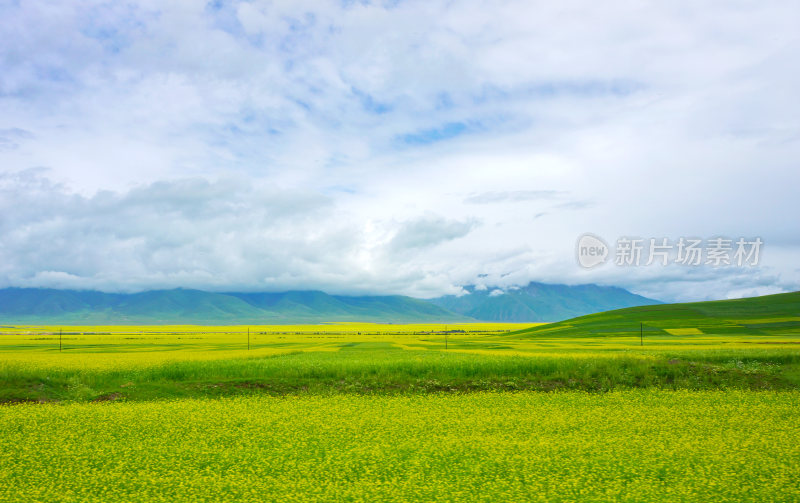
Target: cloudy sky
[{"x": 396, "y": 147}]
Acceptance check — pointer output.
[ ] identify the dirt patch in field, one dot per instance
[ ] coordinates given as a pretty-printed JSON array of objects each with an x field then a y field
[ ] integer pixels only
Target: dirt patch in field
[
  {"x": 251, "y": 385},
  {"x": 109, "y": 397}
]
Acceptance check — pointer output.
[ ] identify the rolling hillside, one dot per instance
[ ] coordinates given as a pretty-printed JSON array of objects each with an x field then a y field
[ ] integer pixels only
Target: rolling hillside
[
  {"x": 770, "y": 315},
  {"x": 539, "y": 302}
]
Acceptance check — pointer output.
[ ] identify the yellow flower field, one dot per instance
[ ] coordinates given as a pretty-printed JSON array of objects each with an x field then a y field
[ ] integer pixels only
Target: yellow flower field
[{"x": 636, "y": 445}]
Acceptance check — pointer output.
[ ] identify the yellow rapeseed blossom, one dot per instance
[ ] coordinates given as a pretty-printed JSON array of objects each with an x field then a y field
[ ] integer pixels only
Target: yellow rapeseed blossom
[{"x": 636, "y": 445}]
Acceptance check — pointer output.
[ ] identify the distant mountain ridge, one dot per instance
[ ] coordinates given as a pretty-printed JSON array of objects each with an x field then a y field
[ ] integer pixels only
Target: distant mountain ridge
[
  {"x": 182, "y": 306},
  {"x": 532, "y": 303},
  {"x": 537, "y": 302}
]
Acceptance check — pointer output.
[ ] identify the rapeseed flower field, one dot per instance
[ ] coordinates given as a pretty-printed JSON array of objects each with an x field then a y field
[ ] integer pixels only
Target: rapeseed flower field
[{"x": 637, "y": 445}]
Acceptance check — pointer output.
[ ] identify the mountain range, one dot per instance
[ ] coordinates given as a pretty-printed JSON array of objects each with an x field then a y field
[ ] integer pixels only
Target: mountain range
[
  {"x": 532, "y": 303},
  {"x": 539, "y": 302}
]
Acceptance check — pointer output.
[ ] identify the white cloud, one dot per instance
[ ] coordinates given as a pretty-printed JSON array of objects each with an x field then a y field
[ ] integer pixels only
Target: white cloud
[{"x": 357, "y": 146}]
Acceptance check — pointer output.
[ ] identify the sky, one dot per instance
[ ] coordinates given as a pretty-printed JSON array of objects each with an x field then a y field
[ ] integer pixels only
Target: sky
[{"x": 396, "y": 147}]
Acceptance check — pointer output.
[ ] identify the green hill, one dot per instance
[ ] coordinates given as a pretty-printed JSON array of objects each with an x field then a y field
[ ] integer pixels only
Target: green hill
[{"x": 776, "y": 315}]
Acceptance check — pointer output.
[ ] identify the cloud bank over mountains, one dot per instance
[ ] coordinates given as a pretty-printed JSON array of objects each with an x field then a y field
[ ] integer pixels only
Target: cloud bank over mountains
[{"x": 403, "y": 148}]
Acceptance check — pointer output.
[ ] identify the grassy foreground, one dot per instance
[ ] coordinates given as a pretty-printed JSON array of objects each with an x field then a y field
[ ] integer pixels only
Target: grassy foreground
[
  {"x": 388, "y": 372},
  {"x": 638, "y": 445}
]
